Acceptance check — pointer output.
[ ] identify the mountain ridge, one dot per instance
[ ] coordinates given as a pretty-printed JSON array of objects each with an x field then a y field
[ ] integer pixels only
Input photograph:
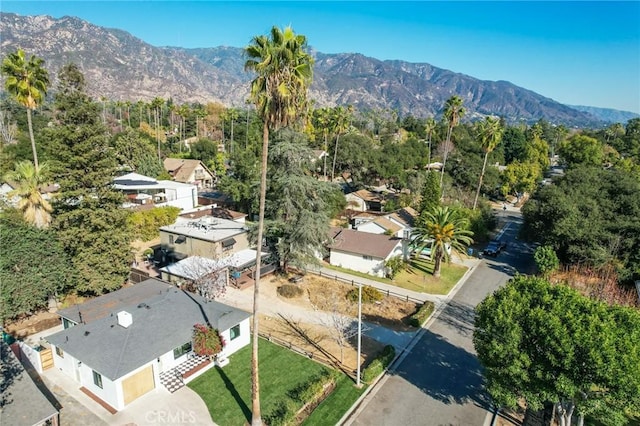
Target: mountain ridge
[{"x": 120, "y": 66}]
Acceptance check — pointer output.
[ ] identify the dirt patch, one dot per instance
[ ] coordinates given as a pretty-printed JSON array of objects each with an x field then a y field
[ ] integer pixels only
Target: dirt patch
[
  {"x": 33, "y": 324},
  {"x": 317, "y": 341},
  {"x": 330, "y": 295}
]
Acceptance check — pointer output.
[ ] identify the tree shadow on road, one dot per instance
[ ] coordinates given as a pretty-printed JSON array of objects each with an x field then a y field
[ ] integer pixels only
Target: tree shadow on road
[
  {"x": 448, "y": 373},
  {"x": 459, "y": 316}
]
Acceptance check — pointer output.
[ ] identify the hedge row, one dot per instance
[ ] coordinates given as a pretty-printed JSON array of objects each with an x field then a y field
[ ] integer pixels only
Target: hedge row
[
  {"x": 305, "y": 393},
  {"x": 378, "y": 365},
  {"x": 419, "y": 318},
  {"x": 145, "y": 224}
]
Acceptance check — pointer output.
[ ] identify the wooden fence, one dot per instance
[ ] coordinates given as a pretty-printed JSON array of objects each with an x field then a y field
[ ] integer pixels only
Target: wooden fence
[{"x": 354, "y": 283}]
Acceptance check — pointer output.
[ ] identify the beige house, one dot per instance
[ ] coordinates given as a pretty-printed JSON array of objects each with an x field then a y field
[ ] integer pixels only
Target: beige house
[
  {"x": 207, "y": 236},
  {"x": 189, "y": 171}
]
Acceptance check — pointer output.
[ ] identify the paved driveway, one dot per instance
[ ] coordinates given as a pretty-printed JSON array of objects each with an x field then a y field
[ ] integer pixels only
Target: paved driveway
[{"x": 440, "y": 381}]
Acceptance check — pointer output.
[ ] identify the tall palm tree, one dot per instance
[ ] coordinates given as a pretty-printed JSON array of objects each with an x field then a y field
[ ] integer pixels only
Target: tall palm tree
[
  {"x": 283, "y": 74},
  {"x": 430, "y": 127},
  {"x": 453, "y": 112},
  {"x": 340, "y": 120},
  {"x": 26, "y": 80},
  {"x": 28, "y": 180},
  {"x": 444, "y": 230},
  {"x": 490, "y": 131}
]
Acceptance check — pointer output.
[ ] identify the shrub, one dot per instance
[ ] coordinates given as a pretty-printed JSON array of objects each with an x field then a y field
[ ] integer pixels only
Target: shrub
[
  {"x": 290, "y": 291},
  {"x": 378, "y": 365},
  {"x": 420, "y": 317},
  {"x": 145, "y": 224},
  {"x": 369, "y": 294},
  {"x": 206, "y": 340},
  {"x": 284, "y": 413}
]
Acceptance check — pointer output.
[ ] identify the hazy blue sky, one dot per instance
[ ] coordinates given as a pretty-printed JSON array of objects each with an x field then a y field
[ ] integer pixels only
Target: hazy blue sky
[{"x": 585, "y": 53}]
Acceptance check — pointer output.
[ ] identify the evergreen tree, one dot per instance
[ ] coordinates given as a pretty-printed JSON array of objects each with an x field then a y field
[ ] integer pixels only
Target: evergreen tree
[
  {"x": 33, "y": 266},
  {"x": 431, "y": 193},
  {"x": 298, "y": 205},
  {"x": 88, "y": 216}
]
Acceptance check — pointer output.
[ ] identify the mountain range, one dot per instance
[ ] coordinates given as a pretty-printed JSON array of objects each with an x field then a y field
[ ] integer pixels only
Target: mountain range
[{"x": 120, "y": 66}]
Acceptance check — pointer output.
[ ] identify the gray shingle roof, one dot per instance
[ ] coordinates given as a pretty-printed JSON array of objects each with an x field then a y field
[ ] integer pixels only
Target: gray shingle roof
[
  {"x": 162, "y": 321},
  {"x": 24, "y": 404}
]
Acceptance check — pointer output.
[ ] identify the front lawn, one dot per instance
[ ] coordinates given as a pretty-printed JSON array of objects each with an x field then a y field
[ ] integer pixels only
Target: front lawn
[
  {"x": 419, "y": 277},
  {"x": 227, "y": 391}
]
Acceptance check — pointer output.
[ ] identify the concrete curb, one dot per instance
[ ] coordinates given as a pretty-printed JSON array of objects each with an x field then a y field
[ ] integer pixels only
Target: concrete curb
[{"x": 373, "y": 388}]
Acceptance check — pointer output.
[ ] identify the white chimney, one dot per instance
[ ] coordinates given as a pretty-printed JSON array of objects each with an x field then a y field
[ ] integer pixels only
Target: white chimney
[{"x": 124, "y": 319}]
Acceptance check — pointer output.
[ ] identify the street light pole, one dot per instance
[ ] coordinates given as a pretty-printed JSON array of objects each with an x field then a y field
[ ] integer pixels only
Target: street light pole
[{"x": 359, "y": 333}]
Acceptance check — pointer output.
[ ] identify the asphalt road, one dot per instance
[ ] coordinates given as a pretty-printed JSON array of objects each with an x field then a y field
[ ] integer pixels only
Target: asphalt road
[{"x": 440, "y": 381}]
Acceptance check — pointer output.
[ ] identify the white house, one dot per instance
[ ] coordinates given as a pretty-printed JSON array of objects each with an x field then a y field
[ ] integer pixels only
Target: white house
[
  {"x": 362, "y": 251},
  {"x": 143, "y": 190},
  {"x": 125, "y": 344},
  {"x": 189, "y": 171}
]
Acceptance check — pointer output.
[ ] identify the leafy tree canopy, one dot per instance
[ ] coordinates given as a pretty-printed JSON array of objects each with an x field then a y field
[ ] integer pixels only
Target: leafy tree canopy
[
  {"x": 545, "y": 343},
  {"x": 590, "y": 216},
  {"x": 33, "y": 266}
]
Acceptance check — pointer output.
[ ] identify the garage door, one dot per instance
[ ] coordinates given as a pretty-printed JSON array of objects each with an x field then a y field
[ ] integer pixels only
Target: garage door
[{"x": 137, "y": 385}]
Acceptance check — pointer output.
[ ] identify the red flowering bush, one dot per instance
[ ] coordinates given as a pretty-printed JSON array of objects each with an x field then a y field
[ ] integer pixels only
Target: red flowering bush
[{"x": 206, "y": 340}]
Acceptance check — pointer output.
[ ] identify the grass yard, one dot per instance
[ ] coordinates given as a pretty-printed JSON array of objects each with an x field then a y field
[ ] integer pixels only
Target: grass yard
[
  {"x": 333, "y": 408},
  {"x": 419, "y": 277},
  {"x": 227, "y": 391}
]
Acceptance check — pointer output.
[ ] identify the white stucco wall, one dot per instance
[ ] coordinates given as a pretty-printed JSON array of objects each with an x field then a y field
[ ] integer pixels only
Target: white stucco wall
[
  {"x": 239, "y": 342},
  {"x": 370, "y": 227},
  {"x": 355, "y": 203},
  {"x": 183, "y": 197},
  {"x": 357, "y": 262}
]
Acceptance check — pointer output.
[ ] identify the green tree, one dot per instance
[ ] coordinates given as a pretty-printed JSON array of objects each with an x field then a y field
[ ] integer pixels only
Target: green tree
[
  {"x": 88, "y": 217},
  {"x": 284, "y": 72},
  {"x": 490, "y": 133},
  {"x": 26, "y": 81},
  {"x": 34, "y": 207},
  {"x": 431, "y": 193},
  {"x": 444, "y": 230},
  {"x": 204, "y": 150},
  {"x": 340, "y": 119},
  {"x": 135, "y": 151},
  {"x": 453, "y": 112},
  {"x": 33, "y": 266},
  {"x": 520, "y": 177},
  {"x": 394, "y": 265},
  {"x": 298, "y": 208},
  {"x": 542, "y": 343},
  {"x": 581, "y": 150},
  {"x": 589, "y": 217},
  {"x": 546, "y": 259}
]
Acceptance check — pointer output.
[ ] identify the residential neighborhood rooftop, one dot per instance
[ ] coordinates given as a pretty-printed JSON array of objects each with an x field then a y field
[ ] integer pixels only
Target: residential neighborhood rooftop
[
  {"x": 206, "y": 228},
  {"x": 194, "y": 267},
  {"x": 23, "y": 403},
  {"x": 364, "y": 243},
  {"x": 162, "y": 320}
]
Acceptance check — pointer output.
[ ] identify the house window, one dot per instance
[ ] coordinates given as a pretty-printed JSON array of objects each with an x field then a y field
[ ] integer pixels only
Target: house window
[
  {"x": 67, "y": 323},
  {"x": 228, "y": 244},
  {"x": 234, "y": 331},
  {"x": 181, "y": 350},
  {"x": 365, "y": 257},
  {"x": 97, "y": 379},
  {"x": 170, "y": 239},
  {"x": 59, "y": 352}
]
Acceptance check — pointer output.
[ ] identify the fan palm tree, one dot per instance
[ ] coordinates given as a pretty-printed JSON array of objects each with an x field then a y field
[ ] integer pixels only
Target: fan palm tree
[
  {"x": 26, "y": 80},
  {"x": 28, "y": 180},
  {"x": 490, "y": 131},
  {"x": 443, "y": 230},
  {"x": 279, "y": 91},
  {"x": 453, "y": 112}
]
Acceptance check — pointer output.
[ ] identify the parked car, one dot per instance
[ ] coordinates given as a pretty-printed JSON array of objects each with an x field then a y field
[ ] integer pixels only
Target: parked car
[{"x": 494, "y": 248}]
